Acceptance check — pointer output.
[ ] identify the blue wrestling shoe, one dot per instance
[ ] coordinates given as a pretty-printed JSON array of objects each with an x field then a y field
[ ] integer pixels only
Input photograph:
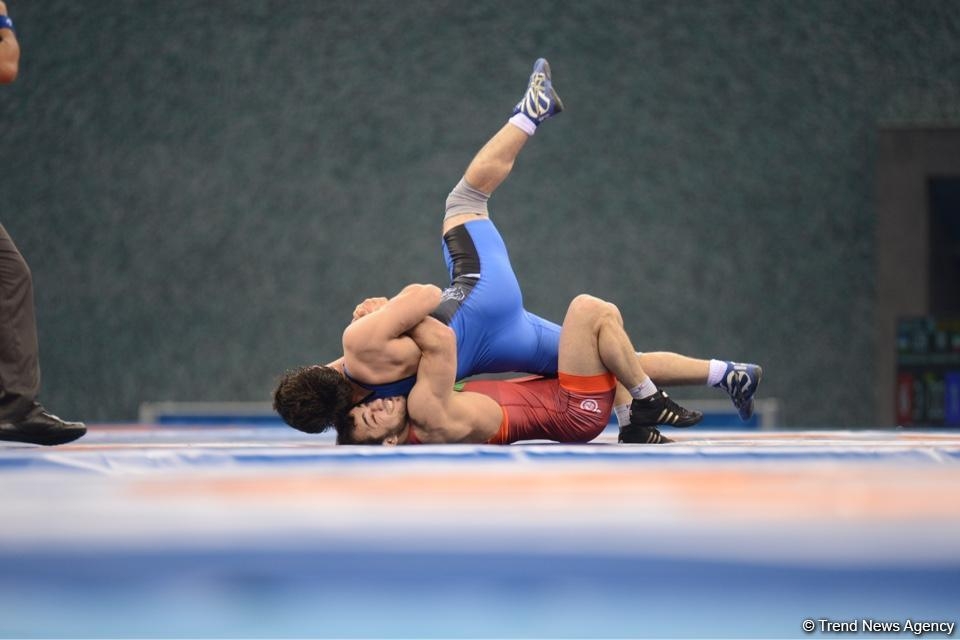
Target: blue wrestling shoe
[
  {"x": 541, "y": 100},
  {"x": 661, "y": 409},
  {"x": 741, "y": 380}
]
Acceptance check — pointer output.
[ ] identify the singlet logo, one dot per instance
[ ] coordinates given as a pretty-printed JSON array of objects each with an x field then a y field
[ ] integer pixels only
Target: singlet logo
[
  {"x": 590, "y": 405},
  {"x": 453, "y": 293}
]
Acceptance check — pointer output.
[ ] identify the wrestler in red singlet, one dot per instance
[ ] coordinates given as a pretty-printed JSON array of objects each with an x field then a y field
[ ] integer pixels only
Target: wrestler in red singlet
[{"x": 569, "y": 408}]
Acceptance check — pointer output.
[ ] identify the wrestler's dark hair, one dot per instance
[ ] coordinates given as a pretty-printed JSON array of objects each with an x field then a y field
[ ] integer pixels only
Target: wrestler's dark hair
[{"x": 313, "y": 399}]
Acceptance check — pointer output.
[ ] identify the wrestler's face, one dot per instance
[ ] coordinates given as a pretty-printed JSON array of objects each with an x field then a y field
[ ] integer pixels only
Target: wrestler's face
[{"x": 379, "y": 419}]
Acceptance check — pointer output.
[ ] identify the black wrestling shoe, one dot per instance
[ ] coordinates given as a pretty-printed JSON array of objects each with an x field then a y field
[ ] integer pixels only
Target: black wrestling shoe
[
  {"x": 635, "y": 433},
  {"x": 660, "y": 409},
  {"x": 41, "y": 427}
]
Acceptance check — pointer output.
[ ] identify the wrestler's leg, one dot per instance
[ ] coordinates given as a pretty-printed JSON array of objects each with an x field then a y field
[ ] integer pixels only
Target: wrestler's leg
[
  {"x": 665, "y": 369},
  {"x": 673, "y": 369},
  {"x": 488, "y": 169},
  {"x": 593, "y": 340},
  {"x": 739, "y": 379},
  {"x": 494, "y": 162}
]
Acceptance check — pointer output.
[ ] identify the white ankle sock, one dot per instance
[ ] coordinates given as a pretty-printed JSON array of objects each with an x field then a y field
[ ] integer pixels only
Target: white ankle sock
[
  {"x": 523, "y": 123},
  {"x": 623, "y": 414},
  {"x": 717, "y": 369},
  {"x": 644, "y": 390}
]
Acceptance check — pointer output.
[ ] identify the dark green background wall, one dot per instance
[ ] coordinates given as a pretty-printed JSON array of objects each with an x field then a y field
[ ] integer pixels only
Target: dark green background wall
[{"x": 204, "y": 190}]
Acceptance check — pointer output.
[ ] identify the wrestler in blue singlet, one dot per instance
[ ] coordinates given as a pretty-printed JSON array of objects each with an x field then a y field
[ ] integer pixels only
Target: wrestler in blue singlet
[
  {"x": 483, "y": 304},
  {"x": 484, "y": 307}
]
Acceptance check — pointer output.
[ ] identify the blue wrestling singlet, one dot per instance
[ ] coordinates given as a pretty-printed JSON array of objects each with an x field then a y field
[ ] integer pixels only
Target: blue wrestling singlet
[
  {"x": 385, "y": 390},
  {"x": 484, "y": 307}
]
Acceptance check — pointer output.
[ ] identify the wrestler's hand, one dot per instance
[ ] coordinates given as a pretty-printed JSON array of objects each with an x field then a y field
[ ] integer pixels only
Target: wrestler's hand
[
  {"x": 366, "y": 307},
  {"x": 3, "y": 9}
]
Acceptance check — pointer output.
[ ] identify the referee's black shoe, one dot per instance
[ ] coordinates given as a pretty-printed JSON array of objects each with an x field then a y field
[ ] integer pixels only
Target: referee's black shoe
[
  {"x": 660, "y": 409},
  {"x": 40, "y": 426}
]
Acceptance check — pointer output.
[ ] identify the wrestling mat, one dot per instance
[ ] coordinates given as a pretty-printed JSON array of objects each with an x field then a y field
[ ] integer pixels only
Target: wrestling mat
[{"x": 199, "y": 531}]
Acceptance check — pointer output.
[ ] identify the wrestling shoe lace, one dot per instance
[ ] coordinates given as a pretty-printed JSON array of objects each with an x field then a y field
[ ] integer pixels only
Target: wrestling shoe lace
[{"x": 540, "y": 100}]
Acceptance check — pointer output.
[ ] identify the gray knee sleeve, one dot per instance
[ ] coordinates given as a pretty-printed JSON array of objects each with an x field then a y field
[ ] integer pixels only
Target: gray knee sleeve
[{"x": 466, "y": 199}]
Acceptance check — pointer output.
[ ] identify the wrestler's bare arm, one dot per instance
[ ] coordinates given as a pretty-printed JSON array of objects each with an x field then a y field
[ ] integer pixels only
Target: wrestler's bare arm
[
  {"x": 367, "y": 307},
  {"x": 376, "y": 346},
  {"x": 437, "y": 412}
]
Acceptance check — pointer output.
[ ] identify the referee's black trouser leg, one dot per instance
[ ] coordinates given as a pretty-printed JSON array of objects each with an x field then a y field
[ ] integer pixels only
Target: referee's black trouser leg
[{"x": 19, "y": 359}]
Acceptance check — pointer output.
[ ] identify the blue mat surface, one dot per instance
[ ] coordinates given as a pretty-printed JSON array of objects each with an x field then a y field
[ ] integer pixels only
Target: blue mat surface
[{"x": 259, "y": 532}]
